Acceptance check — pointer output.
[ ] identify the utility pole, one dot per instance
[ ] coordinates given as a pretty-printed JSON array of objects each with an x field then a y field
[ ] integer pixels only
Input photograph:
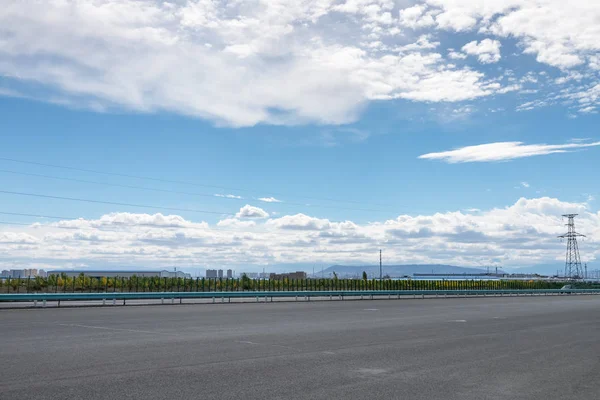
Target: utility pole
[
  {"x": 380, "y": 267},
  {"x": 573, "y": 268}
]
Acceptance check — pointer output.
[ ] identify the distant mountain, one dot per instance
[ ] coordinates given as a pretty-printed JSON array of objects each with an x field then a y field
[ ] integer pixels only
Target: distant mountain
[{"x": 396, "y": 271}]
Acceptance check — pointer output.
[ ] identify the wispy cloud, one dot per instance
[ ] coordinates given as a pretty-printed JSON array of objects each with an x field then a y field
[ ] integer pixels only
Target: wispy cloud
[
  {"x": 503, "y": 151},
  {"x": 228, "y": 196},
  {"x": 270, "y": 200},
  {"x": 10, "y": 93},
  {"x": 525, "y": 184}
]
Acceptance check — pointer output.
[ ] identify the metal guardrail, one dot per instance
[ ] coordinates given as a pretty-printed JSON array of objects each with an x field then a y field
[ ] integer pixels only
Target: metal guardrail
[{"x": 25, "y": 297}]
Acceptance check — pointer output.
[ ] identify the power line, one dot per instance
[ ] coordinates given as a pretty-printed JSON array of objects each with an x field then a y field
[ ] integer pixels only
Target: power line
[
  {"x": 108, "y": 184},
  {"x": 176, "y": 181},
  {"x": 36, "y": 215},
  {"x": 13, "y": 223},
  {"x": 172, "y": 191},
  {"x": 114, "y": 203}
]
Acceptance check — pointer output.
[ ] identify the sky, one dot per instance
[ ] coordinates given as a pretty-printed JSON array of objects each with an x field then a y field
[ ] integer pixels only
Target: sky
[{"x": 278, "y": 134}]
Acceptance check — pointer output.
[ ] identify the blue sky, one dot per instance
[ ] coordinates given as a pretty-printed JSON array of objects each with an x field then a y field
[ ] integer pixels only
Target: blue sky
[
  {"x": 374, "y": 124},
  {"x": 297, "y": 164}
]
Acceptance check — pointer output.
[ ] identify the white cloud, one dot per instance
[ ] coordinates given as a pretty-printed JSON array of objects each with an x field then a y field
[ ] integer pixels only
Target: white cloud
[
  {"x": 503, "y": 151},
  {"x": 416, "y": 17},
  {"x": 455, "y": 55},
  {"x": 572, "y": 75},
  {"x": 522, "y": 233},
  {"x": 123, "y": 218},
  {"x": 249, "y": 211},
  {"x": 587, "y": 98},
  {"x": 594, "y": 62},
  {"x": 487, "y": 51},
  {"x": 525, "y": 184},
  {"x": 229, "y": 196},
  {"x": 300, "y": 222},
  {"x": 558, "y": 33},
  {"x": 17, "y": 238},
  {"x": 277, "y": 62},
  {"x": 269, "y": 200},
  {"x": 588, "y": 110},
  {"x": 511, "y": 88},
  {"x": 235, "y": 223}
]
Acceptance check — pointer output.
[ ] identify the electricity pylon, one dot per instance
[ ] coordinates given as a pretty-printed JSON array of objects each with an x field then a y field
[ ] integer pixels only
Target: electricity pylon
[{"x": 573, "y": 268}]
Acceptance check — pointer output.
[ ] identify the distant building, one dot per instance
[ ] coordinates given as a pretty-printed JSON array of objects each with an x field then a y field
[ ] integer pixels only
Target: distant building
[
  {"x": 211, "y": 273},
  {"x": 251, "y": 275},
  {"x": 288, "y": 275},
  {"x": 5, "y": 274},
  {"x": 121, "y": 273},
  {"x": 174, "y": 274},
  {"x": 229, "y": 274},
  {"x": 30, "y": 272},
  {"x": 220, "y": 273},
  {"x": 17, "y": 273},
  {"x": 42, "y": 273}
]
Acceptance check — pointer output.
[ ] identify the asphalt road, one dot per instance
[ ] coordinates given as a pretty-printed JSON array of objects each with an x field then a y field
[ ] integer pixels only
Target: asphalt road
[{"x": 478, "y": 348}]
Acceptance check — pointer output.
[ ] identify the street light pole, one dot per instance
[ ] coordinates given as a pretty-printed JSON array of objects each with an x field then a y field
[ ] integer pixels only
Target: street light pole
[{"x": 380, "y": 267}]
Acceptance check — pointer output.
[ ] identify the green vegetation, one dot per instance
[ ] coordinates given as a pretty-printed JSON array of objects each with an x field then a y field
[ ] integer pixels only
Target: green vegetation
[{"x": 63, "y": 283}]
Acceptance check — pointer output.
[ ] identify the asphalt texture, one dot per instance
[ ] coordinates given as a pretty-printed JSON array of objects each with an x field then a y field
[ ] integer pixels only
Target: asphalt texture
[{"x": 477, "y": 348}]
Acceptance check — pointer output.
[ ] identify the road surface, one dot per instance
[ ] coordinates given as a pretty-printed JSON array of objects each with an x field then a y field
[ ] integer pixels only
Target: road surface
[{"x": 469, "y": 349}]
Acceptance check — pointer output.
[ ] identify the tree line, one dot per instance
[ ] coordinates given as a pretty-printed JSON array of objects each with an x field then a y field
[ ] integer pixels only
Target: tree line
[{"x": 63, "y": 283}]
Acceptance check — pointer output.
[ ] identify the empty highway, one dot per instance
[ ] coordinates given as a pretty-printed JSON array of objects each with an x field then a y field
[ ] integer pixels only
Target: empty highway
[{"x": 468, "y": 349}]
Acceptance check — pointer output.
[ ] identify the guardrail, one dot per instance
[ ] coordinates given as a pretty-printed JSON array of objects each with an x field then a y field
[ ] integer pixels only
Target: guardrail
[{"x": 29, "y": 297}]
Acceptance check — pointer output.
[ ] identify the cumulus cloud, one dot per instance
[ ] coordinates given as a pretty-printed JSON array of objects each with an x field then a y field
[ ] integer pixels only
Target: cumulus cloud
[
  {"x": 300, "y": 222},
  {"x": 487, "y": 51},
  {"x": 236, "y": 223},
  {"x": 249, "y": 211},
  {"x": 17, "y": 238},
  {"x": 456, "y": 55},
  {"x": 523, "y": 233},
  {"x": 503, "y": 151},
  {"x": 558, "y": 33},
  {"x": 416, "y": 17}
]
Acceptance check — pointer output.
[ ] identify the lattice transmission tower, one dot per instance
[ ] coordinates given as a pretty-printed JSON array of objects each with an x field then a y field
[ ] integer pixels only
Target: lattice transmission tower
[{"x": 573, "y": 269}]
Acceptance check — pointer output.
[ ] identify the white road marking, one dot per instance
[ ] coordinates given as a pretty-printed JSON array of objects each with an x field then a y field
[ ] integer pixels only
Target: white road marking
[
  {"x": 371, "y": 371},
  {"x": 264, "y": 344},
  {"x": 459, "y": 320},
  {"x": 245, "y": 342},
  {"x": 114, "y": 329}
]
